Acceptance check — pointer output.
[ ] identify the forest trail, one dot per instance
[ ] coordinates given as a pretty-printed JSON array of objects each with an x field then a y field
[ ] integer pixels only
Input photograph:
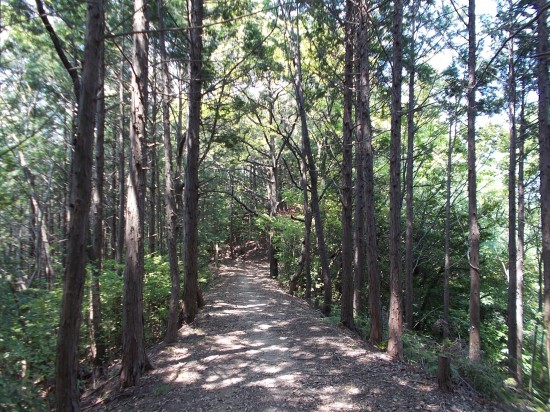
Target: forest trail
[{"x": 255, "y": 348}]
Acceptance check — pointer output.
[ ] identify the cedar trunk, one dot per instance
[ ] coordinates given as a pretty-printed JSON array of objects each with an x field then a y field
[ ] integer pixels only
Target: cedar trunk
[
  {"x": 364, "y": 131},
  {"x": 544, "y": 164},
  {"x": 473, "y": 236},
  {"x": 395, "y": 343},
  {"x": 134, "y": 358},
  {"x": 191, "y": 214},
  {"x": 169, "y": 193},
  {"x": 66, "y": 365},
  {"x": 310, "y": 163},
  {"x": 347, "y": 142}
]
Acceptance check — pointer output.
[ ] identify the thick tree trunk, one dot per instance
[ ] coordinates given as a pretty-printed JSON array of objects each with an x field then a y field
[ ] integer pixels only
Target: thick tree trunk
[
  {"x": 66, "y": 365},
  {"x": 134, "y": 359},
  {"x": 346, "y": 316},
  {"x": 513, "y": 365},
  {"x": 544, "y": 164},
  {"x": 395, "y": 343},
  {"x": 473, "y": 236},
  {"x": 313, "y": 177},
  {"x": 169, "y": 194},
  {"x": 191, "y": 217},
  {"x": 364, "y": 131}
]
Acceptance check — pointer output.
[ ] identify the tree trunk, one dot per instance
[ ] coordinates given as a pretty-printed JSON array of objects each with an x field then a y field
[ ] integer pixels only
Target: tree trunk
[
  {"x": 273, "y": 204},
  {"x": 446, "y": 291},
  {"x": 521, "y": 234},
  {"x": 169, "y": 194},
  {"x": 513, "y": 365},
  {"x": 96, "y": 335},
  {"x": 444, "y": 373},
  {"x": 66, "y": 365},
  {"x": 364, "y": 131},
  {"x": 313, "y": 177},
  {"x": 190, "y": 260},
  {"x": 134, "y": 359},
  {"x": 346, "y": 316},
  {"x": 473, "y": 237},
  {"x": 409, "y": 198},
  {"x": 544, "y": 164},
  {"x": 121, "y": 172},
  {"x": 395, "y": 343}
]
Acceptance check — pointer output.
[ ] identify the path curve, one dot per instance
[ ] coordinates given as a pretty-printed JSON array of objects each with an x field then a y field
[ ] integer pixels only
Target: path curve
[{"x": 255, "y": 348}]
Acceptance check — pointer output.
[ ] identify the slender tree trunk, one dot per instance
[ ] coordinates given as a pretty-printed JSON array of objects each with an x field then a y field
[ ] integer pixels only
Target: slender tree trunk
[
  {"x": 96, "y": 335},
  {"x": 169, "y": 194},
  {"x": 66, "y": 364},
  {"x": 121, "y": 172},
  {"x": 364, "y": 131},
  {"x": 313, "y": 177},
  {"x": 346, "y": 316},
  {"x": 544, "y": 164},
  {"x": 513, "y": 364},
  {"x": 134, "y": 359},
  {"x": 446, "y": 292},
  {"x": 152, "y": 159},
  {"x": 521, "y": 232},
  {"x": 409, "y": 198},
  {"x": 273, "y": 204},
  {"x": 395, "y": 343},
  {"x": 191, "y": 289},
  {"x": 473, "y": 237}
]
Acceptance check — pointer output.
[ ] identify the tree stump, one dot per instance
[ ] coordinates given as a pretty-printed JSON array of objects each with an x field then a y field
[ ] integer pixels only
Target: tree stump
[{"x": 444, "y": 373}]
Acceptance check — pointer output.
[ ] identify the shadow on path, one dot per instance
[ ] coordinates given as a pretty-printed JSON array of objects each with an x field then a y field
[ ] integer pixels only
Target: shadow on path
[{"x": 255, "y": 348}]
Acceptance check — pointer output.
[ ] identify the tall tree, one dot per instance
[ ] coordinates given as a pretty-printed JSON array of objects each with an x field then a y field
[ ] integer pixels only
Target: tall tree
[
  {"x": 347, "y": 206},
  {"x": 191, "y": 212},
  {"x": 473, "y": 237},
  {"x": 395, "y": 343},
  {"x": 169, "y": 192},
  {"x": 96, "y": 336},
  {"x": 313, "y": 175},
  {"x": 134, "y": 358},
  {"x": 409, "y": 199},
  {"x": 364, "y": 138},
  {"x": 513, "y": 355},
  {"x": 66, "y": 365},
  {"x": 543, "y": 81}
]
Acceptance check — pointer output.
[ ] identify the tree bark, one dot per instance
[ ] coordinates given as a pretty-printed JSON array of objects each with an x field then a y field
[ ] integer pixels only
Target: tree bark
[
  {"x": 169, "y": 193},
  {"x": 134, "y": 359},
  {"x": 473, "y": 237},
  {"x": 346, "y": 314},
  {"x": 409, "y": 198},
  {"x": 364, "y": 131},
  {"x": 121, "y": 172},
  {"x": 66, "y": 364},
  {"x": 190, "y": 260},
  {"x": 395, "y": 343},
  {"x": 96, "y": 335},
  {"x": 513, "y": 365},
  {"x": 444, "y": 381},
  {"x": 521, "y": 233},
  {"x": 544, "y": 153},
  {"x": 313, "y": 177}
]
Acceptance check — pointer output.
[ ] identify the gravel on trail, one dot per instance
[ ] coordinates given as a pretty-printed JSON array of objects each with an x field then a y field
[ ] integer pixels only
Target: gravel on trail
[{"x": 253, "y": 347}]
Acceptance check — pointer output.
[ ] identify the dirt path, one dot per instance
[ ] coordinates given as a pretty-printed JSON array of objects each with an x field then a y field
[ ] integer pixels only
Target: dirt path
[{"x": 255, "y": 348}]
